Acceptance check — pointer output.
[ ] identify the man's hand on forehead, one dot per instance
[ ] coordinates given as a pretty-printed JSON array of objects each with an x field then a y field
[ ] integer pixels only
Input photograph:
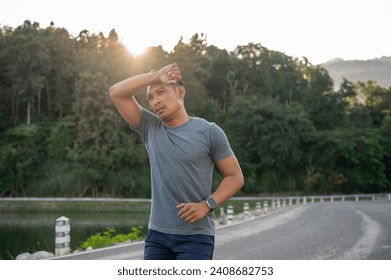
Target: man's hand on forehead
[{"x": 173, "y": 73}]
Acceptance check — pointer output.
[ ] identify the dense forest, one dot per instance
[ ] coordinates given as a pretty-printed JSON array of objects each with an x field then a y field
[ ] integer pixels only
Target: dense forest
[{"x": 60, "y": 134}]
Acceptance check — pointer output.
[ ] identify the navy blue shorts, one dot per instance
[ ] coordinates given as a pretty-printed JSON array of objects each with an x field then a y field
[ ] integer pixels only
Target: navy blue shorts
[{"x": 164, "y": 246}]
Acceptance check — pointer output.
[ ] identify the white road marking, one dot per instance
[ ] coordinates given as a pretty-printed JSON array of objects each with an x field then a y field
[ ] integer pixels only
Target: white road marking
[{"x": 372, "y": 231}]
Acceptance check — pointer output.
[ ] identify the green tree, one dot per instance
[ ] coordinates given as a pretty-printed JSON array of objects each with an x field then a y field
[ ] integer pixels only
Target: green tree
[
  {"x": 59, "y": 83},
  {"x": 326, "y": 108},
  {"x": 193, "y": 59},
  {"x": 102, "y": 149},
  {"x": 267, "y": 137},
  {"x": 22, "y": 150},
  {"x": 94, "y": 133},
  {"x": 218, "y": 84},
  {"x": 345, "y": 161},
  {"x": 357, "y": 113},
  {"x": 376, "y": 98},
  {"x": 27, "y": 62},
  {"x": 260, "y": 71},
  {"x": 62, "y": 137},
  {"x": 385, "y": 139}
]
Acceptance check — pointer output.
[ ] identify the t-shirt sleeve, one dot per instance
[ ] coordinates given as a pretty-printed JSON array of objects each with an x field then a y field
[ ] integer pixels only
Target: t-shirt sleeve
[
  {"x": 147, "y": 118},
  {"x": 220, "y": 147}
]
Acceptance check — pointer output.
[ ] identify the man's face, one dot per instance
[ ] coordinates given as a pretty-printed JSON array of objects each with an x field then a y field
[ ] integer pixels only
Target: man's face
[{"x": 164, "y": 100}]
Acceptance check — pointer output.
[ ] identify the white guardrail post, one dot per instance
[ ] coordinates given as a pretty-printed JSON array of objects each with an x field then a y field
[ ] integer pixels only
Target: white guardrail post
[
  {"x": 246, "y": 210},
  {"x": 63, "y": 238},
  {"x": 230, "y": 214},
  {"x": 258, "y": 209},
  {"x": 273, "y": 204},
  {"x": 265, "y": 205},
  {"x": 223, "y": 217}
]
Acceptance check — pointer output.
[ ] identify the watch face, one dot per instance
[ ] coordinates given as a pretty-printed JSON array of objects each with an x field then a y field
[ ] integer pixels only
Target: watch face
[{"x": 212, "y": 203}]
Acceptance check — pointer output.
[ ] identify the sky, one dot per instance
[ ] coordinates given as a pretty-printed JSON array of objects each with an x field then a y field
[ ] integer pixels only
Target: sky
[{"x": 319, "y": 30}]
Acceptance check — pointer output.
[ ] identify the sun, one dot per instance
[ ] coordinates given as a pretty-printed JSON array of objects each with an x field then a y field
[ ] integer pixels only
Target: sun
[
  {"x": 134, "y": 47},
  {"x": 137, "y": 45}
]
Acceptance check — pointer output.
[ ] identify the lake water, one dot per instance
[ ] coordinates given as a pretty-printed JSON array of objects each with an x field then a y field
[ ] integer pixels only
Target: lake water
[{"x": 31, "y": 232}]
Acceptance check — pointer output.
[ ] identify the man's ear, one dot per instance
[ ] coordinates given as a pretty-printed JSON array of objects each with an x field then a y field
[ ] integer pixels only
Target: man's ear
[{"x": 181, "y": 92}]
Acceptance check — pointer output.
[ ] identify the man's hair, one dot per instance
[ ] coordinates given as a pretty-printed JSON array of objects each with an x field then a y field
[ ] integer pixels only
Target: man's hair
[{"x": 178, "y": 84}]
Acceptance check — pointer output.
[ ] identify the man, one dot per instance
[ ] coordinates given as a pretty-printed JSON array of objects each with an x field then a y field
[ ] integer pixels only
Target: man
[{"x": 182, "y": 151}]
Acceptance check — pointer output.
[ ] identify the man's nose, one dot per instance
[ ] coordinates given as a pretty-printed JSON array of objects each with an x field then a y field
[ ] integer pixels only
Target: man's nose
[{"x": 156, "y": 101}]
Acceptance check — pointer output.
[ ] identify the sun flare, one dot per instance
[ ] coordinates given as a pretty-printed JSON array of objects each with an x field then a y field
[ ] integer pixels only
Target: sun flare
[
  {"x": 138, "y": 45},
  {"x": 135, "y": 48}
]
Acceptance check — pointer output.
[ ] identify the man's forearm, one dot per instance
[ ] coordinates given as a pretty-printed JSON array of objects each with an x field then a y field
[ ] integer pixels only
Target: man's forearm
[
  {"x": 131, "y": 86},
  {"x": 169, "y": 74},
  {"x": 233, "y": 179},
  {"x": 228, "y": 188}
]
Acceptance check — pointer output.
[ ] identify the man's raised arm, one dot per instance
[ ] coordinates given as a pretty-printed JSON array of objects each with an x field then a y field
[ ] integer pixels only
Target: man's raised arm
[{"x": 123, "y": 92}]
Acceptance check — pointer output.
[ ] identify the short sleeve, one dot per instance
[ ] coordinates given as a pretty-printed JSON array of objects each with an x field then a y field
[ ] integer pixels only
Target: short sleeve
[
  {"x": 147, "y": 119},
  {"x": 220, "y": 147}
]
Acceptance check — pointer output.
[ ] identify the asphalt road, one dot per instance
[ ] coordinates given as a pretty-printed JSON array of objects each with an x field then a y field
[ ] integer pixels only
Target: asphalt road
[{"x": 319, "y": 231}]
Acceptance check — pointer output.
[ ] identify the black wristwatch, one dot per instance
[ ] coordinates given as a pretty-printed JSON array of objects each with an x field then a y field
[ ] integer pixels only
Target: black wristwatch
[{"x": 211, "y": 203}]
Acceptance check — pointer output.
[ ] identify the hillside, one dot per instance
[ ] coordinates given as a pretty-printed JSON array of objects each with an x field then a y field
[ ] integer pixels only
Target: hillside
[{"x": 378, "y": 69}]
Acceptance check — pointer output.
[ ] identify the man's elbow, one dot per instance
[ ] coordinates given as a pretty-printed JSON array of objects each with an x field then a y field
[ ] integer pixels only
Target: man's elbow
[
  {"x": 113, "y": 92},
  {"x": 240, "y": 180}
]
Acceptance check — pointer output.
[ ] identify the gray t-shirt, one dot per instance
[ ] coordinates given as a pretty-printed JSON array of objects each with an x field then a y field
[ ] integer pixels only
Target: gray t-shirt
[{"x": 181, "y": 161}]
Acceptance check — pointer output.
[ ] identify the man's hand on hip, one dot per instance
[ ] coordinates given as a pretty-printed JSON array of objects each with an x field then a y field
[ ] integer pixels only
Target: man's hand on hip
[{"x": 193, "y": 212}]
